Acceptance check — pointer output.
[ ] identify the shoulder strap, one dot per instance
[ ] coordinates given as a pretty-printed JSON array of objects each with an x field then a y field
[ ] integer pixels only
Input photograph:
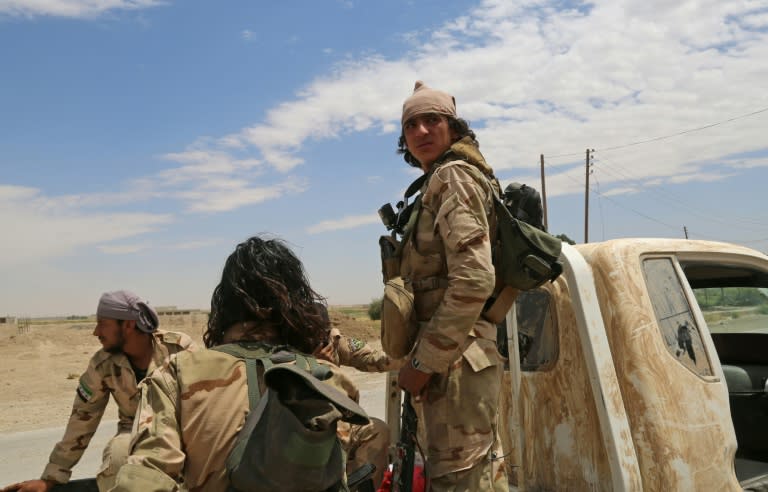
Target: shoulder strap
[
  {"x": 253, "y": 353},
  {"x": 417, "y": 185}
]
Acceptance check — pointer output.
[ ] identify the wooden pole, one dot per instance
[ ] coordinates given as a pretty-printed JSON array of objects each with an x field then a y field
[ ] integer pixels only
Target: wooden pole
[
  {"x": 544, "y": 193},
  {"x": 586, "y": 202}
]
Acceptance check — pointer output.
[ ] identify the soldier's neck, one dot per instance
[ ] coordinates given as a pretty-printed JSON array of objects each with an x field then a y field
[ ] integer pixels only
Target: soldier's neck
[{"x": 139, "y": 350}]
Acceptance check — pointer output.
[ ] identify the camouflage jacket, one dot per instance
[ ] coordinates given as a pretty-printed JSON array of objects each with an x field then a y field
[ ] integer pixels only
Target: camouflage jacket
[
  {"x": 189, "y": 416},
  {"x": 358, "y": 354},
  {"x": 448, "y": 263},
  {"x": 107, "y": 374}
]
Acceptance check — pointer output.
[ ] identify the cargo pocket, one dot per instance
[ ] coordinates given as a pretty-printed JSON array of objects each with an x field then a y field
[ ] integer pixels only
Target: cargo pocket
[
  {"x": 398, "y": 324},
  {"x": 481, "y": 354},
  {"x": 115, "y": 455},
  {"x": 465, "y": 417},
  {"x": 457, "y": 224}
]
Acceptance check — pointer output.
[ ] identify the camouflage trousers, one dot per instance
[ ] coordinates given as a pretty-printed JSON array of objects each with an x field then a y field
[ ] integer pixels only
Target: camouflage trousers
[
  {"x": 114, "y": 456},
  {"x": 458, "y": 416},
  {"x": 488, "y": 474},
  {"x": 366, "y": 444}
]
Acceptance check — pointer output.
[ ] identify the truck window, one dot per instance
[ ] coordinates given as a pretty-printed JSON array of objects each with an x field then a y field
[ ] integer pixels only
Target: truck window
[
  {"x": 674, "y": 316},
  {"x": 536, "y": 331}
]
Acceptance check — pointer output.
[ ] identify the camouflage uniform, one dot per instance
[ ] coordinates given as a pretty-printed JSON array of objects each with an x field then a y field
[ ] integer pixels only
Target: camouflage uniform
[
  {"x": 189, "y": 416},
  {"x": 356, "y": 353},
  {"x": 107, "y": 374},
  {"x": 364, "y": 443},
  {"x": 448, "y": 264}
]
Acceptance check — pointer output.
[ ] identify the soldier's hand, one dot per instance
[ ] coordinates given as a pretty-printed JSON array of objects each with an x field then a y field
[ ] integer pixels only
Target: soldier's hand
[
  {"x": 325, "y": 352},
  {"x": 30, "y": 486},
  {"x": 329, "y": 351}
]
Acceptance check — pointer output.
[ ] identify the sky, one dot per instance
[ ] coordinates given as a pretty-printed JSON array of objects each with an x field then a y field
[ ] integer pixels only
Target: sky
[{"x": 142, "y": 140}]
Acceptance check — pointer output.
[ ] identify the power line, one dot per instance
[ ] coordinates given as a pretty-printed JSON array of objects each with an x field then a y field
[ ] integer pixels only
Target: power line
[
  {"x": 621, "y": 172},
  {"x": 664, "y": 137},
  {"x": 625, "y": 207},
  {"x": 646, "y": 216},
  {"x": 600, "y": 205}
]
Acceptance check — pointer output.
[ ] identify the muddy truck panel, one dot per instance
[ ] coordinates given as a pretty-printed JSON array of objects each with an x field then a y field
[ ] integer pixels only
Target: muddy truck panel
[{"x": 615, "y": 382}]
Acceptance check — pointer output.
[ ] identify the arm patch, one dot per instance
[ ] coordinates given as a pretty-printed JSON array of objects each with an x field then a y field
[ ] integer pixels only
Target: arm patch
[
  {"x": 355, "y": 344},
  {"x": 84, "y": 392}
]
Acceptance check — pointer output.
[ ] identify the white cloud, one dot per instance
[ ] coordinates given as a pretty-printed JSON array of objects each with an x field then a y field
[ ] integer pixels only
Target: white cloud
[
  {"x": 535, "y": 78},
  {"x": 698, "y": 177},
  {"x": 71, "y": 8},
  {"x": 247, "y": 34},
  {"x": 757, "y": 20},
  {"x": 37, "y": 227},
  {"x": 221, "y": 196},
  {"x": 625, "y": 190},
  {"x": 211, "y": 180},
  {"x": 122, "y": 249},
  {"x": 200, "y": 164},
  {"x": 532, "y": 77},
  {"x": 348, "y": 222}
]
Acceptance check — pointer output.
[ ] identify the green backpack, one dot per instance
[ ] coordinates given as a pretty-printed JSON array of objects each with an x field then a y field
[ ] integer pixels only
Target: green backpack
[
  {"x": 525, "y": 256},
  {"x": 288, "y": 441}
]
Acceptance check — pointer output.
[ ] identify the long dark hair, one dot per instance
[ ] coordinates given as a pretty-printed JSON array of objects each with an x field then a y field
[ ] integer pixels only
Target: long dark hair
[
  {"x": 458, "y": 125},
  {"x": 263, "y": 281}
]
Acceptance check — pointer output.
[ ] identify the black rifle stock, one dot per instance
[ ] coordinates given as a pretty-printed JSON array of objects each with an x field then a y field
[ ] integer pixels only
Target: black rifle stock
[{"x": 406, "y": 448}]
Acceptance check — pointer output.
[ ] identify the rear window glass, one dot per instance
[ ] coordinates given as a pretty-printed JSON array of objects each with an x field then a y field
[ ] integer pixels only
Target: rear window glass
[
  {"x": 536, "y": 331},
  {"x": 674, "y": 316}
]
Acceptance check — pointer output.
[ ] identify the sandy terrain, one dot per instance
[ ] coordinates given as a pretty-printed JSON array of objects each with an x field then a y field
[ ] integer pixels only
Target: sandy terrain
[{"x": 39, "y": 369}]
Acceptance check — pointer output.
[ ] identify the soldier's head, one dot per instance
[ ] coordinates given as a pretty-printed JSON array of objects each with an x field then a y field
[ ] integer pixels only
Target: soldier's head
[
  {"x": 264, "y": 295},
  {"x": 122, "y": 315},
  {"x": 429, "y": 126}
]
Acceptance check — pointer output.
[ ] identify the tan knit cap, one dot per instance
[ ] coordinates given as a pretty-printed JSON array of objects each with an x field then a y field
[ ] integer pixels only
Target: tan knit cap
[{"x": 428, "y": 100}]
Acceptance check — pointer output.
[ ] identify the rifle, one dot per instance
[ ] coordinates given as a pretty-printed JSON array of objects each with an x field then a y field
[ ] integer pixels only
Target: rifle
[{"x": 406, "y": 448}]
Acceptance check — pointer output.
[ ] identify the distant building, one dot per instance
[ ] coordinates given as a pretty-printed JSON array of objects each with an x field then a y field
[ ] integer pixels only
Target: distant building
[
  {"x": 191, "y": 321},
  {"x": 175, "y": 311},
  {"x": 7, "y": 320}
]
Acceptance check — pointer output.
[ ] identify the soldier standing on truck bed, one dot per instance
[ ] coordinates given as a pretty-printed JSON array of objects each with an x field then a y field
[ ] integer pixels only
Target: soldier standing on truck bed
[
  {"x": 132, "y": 346},
  {"x": 454, "y": 371}
]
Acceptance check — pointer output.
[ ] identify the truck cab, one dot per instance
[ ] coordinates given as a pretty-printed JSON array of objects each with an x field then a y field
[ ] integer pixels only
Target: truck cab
[{"x": 642, "y": 367}]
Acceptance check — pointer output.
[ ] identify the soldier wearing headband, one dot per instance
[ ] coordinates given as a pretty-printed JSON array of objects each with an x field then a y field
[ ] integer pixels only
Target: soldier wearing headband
[{"x": 132, "y": 346}]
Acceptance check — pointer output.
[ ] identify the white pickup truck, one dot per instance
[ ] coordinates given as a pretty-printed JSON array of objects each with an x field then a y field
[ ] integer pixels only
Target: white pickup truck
[{"x": 643, "y": 367}]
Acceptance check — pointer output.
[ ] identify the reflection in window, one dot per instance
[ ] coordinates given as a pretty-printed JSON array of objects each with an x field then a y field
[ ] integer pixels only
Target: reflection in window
[
  {"x": 674, "y": 315},
  {"x": 536, "y": 331}
]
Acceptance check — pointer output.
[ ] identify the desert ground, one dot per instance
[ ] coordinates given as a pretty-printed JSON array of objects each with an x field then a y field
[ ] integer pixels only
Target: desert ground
[{"x": 40, "y": 366}]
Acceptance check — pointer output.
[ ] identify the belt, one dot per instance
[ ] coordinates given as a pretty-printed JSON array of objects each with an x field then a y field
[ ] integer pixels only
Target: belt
[{"x": 428, "y": 283}]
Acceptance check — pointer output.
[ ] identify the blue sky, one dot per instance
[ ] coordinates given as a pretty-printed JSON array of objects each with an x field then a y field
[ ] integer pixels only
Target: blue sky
[{"x": 141, "y": 140}]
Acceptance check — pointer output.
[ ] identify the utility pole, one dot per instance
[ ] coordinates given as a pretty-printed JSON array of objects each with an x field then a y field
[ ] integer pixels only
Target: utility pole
[
  {"x": 586, "y": 197},
  {"x": 685, "y": 230},
  {"x": 544, "y": 193}
]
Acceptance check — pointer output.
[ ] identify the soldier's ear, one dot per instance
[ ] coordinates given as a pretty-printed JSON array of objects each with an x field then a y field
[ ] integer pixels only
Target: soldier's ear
[{"x": 129, "y": 325}]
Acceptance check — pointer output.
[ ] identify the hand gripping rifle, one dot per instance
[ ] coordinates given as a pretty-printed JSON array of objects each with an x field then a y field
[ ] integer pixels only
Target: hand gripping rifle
[{"x": 406, "y": 448}]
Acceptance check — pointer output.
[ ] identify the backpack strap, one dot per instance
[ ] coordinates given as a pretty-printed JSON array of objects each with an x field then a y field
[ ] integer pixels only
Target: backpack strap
[{"x": 253, "y": 353}]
